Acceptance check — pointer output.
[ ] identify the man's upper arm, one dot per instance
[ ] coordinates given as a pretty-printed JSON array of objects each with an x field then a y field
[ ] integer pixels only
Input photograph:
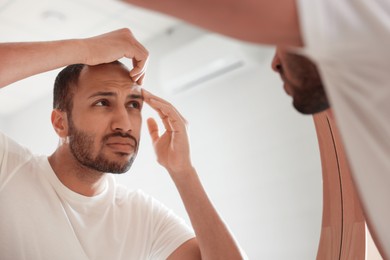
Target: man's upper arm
[
  {"x": 189, "y": 250},
  {"x": 12, "y": 155}
]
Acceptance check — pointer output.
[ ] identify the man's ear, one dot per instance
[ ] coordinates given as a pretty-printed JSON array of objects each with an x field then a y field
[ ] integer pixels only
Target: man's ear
[{"x": 59, "y": 120}]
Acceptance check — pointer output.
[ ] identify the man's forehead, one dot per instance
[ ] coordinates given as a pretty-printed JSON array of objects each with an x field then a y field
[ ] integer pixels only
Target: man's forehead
[
  {"x": 105, "y": 71},
  {"x": 114, "y": 87},
  {"x": 113, "y": 94},
  {"x": 107, "y": 76}
]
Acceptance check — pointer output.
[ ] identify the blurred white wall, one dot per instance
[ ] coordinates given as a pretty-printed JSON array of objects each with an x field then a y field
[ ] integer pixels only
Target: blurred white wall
[{"x": 257, "y": 157}]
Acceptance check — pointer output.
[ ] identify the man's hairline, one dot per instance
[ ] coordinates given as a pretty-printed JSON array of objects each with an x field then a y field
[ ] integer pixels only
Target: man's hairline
[{"x": 73, "y": 85}]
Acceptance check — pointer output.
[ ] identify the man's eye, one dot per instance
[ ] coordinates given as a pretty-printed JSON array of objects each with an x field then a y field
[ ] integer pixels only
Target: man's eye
[
  {"x": 102, "y": 103},
  {"x": 134, "y": 104}
]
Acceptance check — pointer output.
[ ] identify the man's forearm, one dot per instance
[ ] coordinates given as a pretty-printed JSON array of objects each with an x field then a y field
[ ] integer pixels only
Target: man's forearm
[
  {"x": 214, "y": 238},
  {"x": 261, "y": 21},
  {"x": 21, "y": 60}
]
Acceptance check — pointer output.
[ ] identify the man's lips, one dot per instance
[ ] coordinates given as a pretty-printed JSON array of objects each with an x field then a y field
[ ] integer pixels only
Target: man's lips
[
  {"x": 126, "y": 149},
  {"x": 123, "y": 145}
]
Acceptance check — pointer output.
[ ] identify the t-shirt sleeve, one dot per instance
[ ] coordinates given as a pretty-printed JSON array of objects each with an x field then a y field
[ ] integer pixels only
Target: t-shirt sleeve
[
  {"x": 2, "y": 148},
  {"x": 168, "y": 230},
  {"x": 12, "y": 157},
  {"x": 344, "y": 29}
]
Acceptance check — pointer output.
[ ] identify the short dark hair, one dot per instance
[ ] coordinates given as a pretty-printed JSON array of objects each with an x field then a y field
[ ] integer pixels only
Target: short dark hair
[{"x": 64, "y": 85}]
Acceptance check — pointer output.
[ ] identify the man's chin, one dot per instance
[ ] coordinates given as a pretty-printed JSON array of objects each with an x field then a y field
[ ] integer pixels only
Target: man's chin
[
  {"x": 112, "y": 162},
  {"x": 125, "y": 164},
  {"x": 311, "y": 109},
  {"x": 117, "y": 165},
  {"x": 117, "y": 168}
]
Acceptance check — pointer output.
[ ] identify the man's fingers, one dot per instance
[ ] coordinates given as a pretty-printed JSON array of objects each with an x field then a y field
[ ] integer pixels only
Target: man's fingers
[
  {"x": 163, "y": 116},
  {"x": 163, "y": 113},
  {"x": 153, "y": 129},
  {"x": 171, "y": 119},
  {"x": 138, "y": 70},
  {"x": 165, "y": 119},
  {"x": 147, "y": 95},
  {"x": 139, "y": 65},
  {"x": 140, "y": 80},
  {"x": 139, "y": 58}
]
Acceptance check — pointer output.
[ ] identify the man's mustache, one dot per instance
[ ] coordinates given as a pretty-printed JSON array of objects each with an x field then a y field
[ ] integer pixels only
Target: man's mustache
[{"x": 123, "y": 135}]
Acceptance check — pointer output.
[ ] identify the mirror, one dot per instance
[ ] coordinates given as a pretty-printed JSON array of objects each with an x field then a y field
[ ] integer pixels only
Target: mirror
[{"x": 257, "y": 157}]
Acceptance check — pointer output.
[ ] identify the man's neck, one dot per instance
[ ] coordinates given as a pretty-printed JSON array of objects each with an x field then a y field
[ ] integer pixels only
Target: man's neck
[{"x": 75, "y": 176}]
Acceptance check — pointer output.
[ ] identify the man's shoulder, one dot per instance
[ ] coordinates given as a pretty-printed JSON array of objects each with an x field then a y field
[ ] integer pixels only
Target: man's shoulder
[
  {"x": 135, "y": 199},
  {"x": 16, "y": 160},
  {"x": 124, "y": 194},
  {"x": 12, "y": 150}
]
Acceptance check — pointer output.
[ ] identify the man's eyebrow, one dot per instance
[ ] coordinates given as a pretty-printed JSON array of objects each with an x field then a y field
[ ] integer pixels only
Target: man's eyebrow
[
  {"x": 136, "y": 96},
  {"x": 102, "y": 93},
  {"x": 110, "y": 94}
]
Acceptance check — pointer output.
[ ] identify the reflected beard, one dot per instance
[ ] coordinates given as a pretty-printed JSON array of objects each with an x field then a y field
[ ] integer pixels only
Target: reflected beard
[{"x": 81, "y": 147}]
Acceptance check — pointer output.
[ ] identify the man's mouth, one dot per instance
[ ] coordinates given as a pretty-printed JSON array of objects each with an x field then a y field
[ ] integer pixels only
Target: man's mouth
[
  {"x": 122, "y": 145},
  {"x": 124, "y": 148}
]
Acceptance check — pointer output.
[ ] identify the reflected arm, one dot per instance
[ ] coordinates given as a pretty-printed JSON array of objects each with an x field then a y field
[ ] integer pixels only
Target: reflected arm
[{"x": 259, "y": 21}]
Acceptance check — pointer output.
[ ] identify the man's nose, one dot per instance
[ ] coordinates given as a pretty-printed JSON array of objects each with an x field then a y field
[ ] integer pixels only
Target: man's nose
[
  {"x": 276, "y": 65},
  {"x": 121, "y": 120}
]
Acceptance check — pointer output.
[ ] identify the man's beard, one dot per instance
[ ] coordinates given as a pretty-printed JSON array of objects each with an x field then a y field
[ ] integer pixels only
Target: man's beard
[
  {"x": 310, "y": 101},
  {"x": 310, "y": 96},
  {"x": 81, "y": 146}
]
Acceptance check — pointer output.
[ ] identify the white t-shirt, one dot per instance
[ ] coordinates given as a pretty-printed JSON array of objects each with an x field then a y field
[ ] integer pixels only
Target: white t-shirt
[
  {"x": 350, "y": 42},
  {"x": 40, "y": 218}
]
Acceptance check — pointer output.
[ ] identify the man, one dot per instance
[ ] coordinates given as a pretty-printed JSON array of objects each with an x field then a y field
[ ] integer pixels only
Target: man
[
  {"x": 348, "y": 41},
  {"x": 67, "y": 205}
]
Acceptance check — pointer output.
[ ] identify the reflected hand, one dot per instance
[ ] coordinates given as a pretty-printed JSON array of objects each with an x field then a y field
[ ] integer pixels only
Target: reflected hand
[{"x": 115, "y": 45}]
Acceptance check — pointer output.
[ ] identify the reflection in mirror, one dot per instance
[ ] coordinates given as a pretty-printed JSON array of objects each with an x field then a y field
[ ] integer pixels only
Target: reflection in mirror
[{"x": 257, "y": 157}]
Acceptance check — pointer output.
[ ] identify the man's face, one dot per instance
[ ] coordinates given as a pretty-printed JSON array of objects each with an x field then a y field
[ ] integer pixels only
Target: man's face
[
  {"x": 105, "y": 122},
  {"x": 301, "y": 81}
]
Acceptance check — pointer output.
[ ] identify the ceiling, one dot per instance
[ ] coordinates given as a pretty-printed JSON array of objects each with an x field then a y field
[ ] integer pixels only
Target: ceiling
[
  {"x": 23, "y": 20},
  {"x": 55, "y": 19}
]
